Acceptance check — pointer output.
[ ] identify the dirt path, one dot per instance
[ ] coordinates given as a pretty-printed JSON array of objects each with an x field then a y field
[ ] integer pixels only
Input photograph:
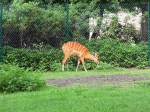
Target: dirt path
[{"x": 109, "y": 79}]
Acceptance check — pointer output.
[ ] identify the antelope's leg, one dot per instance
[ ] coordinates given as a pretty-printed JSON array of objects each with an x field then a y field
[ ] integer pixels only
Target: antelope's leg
[
  {"x": 77, "y": 65},
  {"x": 67, "y": 66},
  {"x": 84, "y": 67},
  {"x": 82, "y": 60},
  {"x": 63, "y": 62},
  {"x": 62, "y": 67}
]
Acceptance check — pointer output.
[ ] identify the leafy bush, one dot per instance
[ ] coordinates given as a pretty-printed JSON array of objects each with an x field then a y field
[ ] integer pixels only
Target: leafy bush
[
  {"x": 119, "y": 53},
  {"x": 34, "y": 59},
  {"x": 126, "y": 33},
  {"x": 27, "y": 23},
  {"x": 111, "y": 51},
  {"x": 14, "y": 79}
]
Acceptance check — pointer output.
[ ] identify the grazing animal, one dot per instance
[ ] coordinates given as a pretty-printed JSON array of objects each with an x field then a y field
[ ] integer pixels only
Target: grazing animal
[{"x": 77, "y": 49}]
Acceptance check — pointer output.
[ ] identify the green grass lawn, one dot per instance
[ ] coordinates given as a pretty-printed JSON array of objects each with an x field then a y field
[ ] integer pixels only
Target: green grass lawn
[
  {"x": 82, "y": 98},
  {"x": 79, "y": 99},
  {"x": 116, "y": 71}
]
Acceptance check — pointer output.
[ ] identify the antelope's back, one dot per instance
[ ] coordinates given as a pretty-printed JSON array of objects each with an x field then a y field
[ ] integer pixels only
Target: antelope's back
[{"x": 74, "y": 48}]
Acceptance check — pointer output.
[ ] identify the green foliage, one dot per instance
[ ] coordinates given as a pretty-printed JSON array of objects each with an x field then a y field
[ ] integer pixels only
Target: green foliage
[
  {"x": 32, "y": 24},
  {"x": 45, "y": 60},
  {"x": 119, "y": 53},
  {"x": 26, "y": 22},
  {"x": 126, "y": 33},
  {"x": 34, "y": 59},
  {"x": 28, "y": 25},
  {"x": 124, "y": 97},
  {"x": 111, "y": 51},
  {"x": 103, "y": 66},
  {"x": 14, "y": 79}
]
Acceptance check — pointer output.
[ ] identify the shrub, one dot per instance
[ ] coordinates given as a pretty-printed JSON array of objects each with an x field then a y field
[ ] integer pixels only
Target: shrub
[
  {"x": 126, "y": 33},
  {"x": 27, "y": 23},
  {"x": 119, "y": 53},
  {"x": 14, "y": 79},
  {"x": 34, "y": 59},
  {"x": 111, "y": 51}
]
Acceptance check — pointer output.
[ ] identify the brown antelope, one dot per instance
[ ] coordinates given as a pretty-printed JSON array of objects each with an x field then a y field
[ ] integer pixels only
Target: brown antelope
[{"x": 77, "y": 49}]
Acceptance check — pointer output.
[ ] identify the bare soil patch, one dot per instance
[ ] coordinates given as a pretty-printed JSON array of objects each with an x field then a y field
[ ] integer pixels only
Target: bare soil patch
[{"x": 109, "y": 79}]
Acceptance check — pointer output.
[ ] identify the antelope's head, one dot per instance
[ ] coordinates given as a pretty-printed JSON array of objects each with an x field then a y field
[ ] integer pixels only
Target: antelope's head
[
  {"x": 93, "y": 57},
  {"x": 96, "y": 58}
]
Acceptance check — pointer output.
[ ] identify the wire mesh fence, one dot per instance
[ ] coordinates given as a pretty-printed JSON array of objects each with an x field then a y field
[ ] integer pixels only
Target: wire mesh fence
[
  {"x": 26, "y": 25},
  {"x": 1, "y": 35},
  {"x": 149, "y": 32}
]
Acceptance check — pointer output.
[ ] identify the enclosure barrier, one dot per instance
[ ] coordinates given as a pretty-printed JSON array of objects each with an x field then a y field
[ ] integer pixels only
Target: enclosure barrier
[
  {"x": 38, "y": 31},
  {"x": 1, "y": 34},
  {"x": 67, "y": 20},
  {"x": 149, "y": 31}
]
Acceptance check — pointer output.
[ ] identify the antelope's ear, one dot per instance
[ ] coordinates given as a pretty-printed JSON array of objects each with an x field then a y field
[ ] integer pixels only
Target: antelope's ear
[
  {"x": 96, "y": 55},
  {"x": 93, "y": 53}
]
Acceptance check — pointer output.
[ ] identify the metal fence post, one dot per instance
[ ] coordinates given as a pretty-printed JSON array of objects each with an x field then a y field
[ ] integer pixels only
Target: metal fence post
[
  {"x": 1, "y": 34},
  {"x": 67, "y": 21},
  {"x": 149, "y": 32}
]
